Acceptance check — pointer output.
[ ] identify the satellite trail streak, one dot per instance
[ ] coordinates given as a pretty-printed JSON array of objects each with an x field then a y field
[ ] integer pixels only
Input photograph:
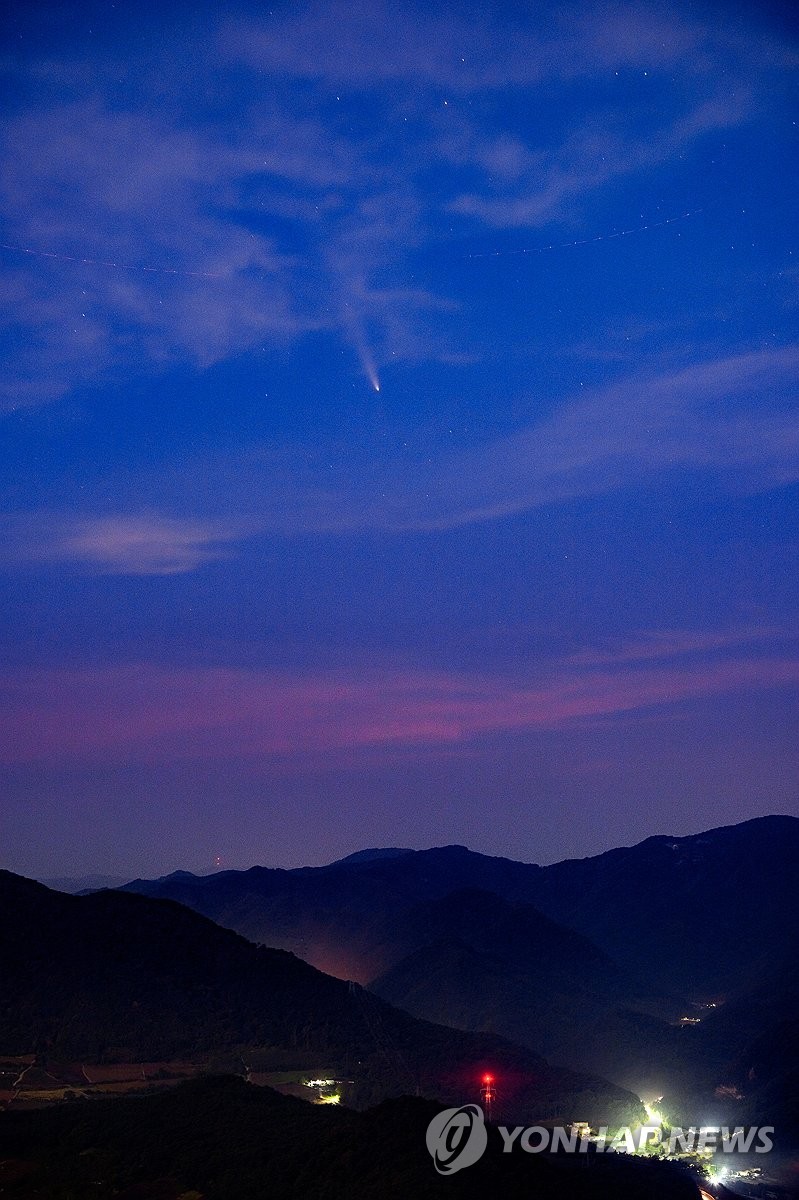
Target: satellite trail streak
[
  {"x": 100, "y": 262},
  {"x": 602, "y": 237}
]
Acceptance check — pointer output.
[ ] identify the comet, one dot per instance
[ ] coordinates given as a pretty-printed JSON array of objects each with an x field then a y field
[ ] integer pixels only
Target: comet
[
  {"x": 367, "y": 362},
  {"x": 354, "y": 324}
]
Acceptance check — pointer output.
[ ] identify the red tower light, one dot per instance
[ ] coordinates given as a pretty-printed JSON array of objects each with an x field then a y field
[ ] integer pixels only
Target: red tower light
[{"x": 488, "y": 1094}]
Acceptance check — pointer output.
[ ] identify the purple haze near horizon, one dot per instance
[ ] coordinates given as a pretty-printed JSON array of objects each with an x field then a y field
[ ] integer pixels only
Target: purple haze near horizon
[{"x": 399, "y": 430}]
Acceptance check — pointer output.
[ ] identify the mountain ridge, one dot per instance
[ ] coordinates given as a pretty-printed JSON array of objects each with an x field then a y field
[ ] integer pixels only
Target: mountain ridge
[{"x": 662, "y": 881}]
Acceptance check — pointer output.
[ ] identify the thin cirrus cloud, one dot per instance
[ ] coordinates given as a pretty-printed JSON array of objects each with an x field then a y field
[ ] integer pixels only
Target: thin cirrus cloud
[{"x": 150, "y": 713}]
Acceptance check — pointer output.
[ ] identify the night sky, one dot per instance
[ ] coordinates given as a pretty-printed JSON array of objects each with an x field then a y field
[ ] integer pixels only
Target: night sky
[{"x": 399, "y": 429}]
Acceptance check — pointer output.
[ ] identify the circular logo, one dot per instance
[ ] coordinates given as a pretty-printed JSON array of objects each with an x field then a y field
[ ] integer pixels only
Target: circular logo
[{"x": 456, "y": 1138}]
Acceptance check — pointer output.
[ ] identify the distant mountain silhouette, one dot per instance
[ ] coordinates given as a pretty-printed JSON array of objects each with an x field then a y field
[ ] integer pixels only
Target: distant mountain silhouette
[
  {"x": 84, "y": 883},
  {"x": 696, "y": 916},
  {"x": 361, "y": 856},
  {"x": 339, "y": 917},
  {"x": 114, "y": 976}
]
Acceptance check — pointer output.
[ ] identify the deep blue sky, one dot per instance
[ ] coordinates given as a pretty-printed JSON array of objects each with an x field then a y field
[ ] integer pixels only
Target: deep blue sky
[{"x": 399, "y": 429}]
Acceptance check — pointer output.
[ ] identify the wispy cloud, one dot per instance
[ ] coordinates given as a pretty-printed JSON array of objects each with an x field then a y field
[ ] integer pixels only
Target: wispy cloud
[
  {"x": 147, "y": 544},
  {"x": 114, "y": 253},
  {"x": 381, "y": 44},
  {"x": 730, "y": 417},
  {"x": 133, "y": 241},
  {"x": 147, "y": 712},
  {"x": 732, "y": 420},
  {"x": 666, "y": 644},
  {"x": 533, "y": 189},
  {"x": 145, "y": 231}
]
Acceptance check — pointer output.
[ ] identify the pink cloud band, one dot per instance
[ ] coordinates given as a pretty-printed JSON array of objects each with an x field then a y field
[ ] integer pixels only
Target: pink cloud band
[{"x": 152, "y": 713}]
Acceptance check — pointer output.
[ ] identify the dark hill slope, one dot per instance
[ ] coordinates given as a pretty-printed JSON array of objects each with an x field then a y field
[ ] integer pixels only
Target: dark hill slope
[
  {"x": 115, "y": 976},
  {"x": 220, "y": 1139},
  {"x": 475, "y": 961},
  {"x": 711, "y": 913}
]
